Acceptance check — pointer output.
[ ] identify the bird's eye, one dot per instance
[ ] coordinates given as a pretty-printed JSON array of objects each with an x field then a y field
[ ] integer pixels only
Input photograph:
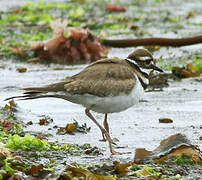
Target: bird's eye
[{"x": 147, "y": 62}]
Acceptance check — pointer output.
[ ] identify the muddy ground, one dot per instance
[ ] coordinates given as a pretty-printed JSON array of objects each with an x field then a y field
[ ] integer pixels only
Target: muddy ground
[{"x": 134, "y": 128}]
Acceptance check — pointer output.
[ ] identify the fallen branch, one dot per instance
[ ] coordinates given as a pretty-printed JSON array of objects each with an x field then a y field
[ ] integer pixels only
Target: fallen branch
[{"x": 153, "y": 41}]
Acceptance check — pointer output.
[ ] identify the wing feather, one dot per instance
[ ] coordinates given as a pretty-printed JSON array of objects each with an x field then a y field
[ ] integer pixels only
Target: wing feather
[{"x": 103, "y": 80}]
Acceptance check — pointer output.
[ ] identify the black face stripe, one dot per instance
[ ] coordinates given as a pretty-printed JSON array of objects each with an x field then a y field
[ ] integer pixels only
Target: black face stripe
[
  {"x": 142, "y": 83},
  {"x": 145, "y": 74},
  {"x": 137, "y": 68}
]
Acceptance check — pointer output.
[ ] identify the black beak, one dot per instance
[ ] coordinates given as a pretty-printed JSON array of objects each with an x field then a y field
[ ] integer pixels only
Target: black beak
[{"x": 152, "y": 66}]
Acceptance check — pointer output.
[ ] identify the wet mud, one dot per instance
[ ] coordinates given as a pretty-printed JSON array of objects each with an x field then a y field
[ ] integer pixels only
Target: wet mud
[{"x": 134, "y": 128}]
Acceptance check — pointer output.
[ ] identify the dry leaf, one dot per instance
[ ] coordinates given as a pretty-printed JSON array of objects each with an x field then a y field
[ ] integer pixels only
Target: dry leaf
[
  {"x": 45, "y": 120},
  {"x": 11, "y": 105},
  {"x": 165, "y": 120},
  {"x": 36, "y": 169},
  {"x": 19, "y": 52},
  {"x": 188, "y": 71},
  {"x": 70, "y": 128},
  {"x": 19, "y": 176},
  {"x": 21, "y": 69},
  {"x": 190, "y": 68},
  {"x": 4, "y": 152},
  {"x": 196, "y": 158},
  {"x": 114, "y": 7},
  {"x": 121, "y": 168},
  {"x": 29, "y": 123},
  {"x": 144, "y": 172},
  {"x": 34, "y": 60},
  {"x": 140, "y": 154},
  {"x": 152, "y": 48},
  {"x": 61, "y": 130},
  {"x": 81, "y": 173},
  {"x": 6, "y": 123},
  {"x": 6, "y": 106},
  {"x": 174, "y": 145},
  {"x": 42, "y": 121},
  {"x": 190, "y": 14}
]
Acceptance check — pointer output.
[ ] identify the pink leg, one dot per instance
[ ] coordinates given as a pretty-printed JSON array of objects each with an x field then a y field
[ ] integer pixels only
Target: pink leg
[
  {"x": 106, "y": 126},
  {"x": 104, "y": 131}
]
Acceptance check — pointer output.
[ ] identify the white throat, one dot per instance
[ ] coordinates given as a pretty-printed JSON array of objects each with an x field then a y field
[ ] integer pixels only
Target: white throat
[{"x": 139, "y": 73}]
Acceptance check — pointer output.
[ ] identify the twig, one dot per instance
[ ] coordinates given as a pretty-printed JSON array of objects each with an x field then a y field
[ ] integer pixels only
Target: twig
[{"x": 153, "y": 41}]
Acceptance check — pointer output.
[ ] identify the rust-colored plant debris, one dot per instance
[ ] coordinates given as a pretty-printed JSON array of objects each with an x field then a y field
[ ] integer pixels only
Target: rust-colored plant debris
[
  {"x": 72, "y": 172},
  {"x": 187, "y": 71},
  {"x": 71, "y": 128},
  {"x": 175, "y": 145},
  {"x": 37, "y": 170},
  {"x": 4, "y": 152},
  {"x": 19, "y": 52},
  {"x": 165, "y": 120},
  {"x": 114, "y": 7},
  {"x": 190, "y": 14},
  {"x": 121, "y": 168},
  {"x": 10, "y": 106},
  {"x": 45, "y": 120},
  {"x": 70, "y": 45},
  {"x": 21, "y": 69},
  {"x": 152, "y": 48}
]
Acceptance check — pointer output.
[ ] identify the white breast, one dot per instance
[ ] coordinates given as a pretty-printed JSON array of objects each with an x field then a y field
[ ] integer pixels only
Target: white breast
[{"x": 113, "y": 104}]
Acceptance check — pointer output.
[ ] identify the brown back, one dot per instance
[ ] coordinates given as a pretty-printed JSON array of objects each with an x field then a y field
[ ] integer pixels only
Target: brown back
[{"x": 103, "y": 78}]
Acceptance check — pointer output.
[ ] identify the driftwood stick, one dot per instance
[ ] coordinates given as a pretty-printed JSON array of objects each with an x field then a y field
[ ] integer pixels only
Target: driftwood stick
[{"x": 153, "y": 41}]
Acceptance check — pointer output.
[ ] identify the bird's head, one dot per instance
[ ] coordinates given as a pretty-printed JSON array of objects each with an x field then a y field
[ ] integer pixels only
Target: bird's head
[{"x": 143, "y": 58}]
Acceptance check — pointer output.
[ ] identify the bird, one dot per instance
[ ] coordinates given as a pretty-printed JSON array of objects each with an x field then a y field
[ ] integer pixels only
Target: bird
[{"x": 105, "y": 86}]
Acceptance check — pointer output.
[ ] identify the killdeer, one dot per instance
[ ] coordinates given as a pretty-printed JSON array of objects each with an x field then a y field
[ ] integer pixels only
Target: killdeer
[{"x": 105, "y": 86}]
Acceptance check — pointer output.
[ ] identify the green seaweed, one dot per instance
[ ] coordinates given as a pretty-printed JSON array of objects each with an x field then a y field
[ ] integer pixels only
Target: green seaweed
[{"x": 27, "y": 143}]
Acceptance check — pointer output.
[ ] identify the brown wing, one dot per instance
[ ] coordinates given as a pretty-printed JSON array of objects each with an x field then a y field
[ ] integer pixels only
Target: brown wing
[{"x": 103, "y": 78}]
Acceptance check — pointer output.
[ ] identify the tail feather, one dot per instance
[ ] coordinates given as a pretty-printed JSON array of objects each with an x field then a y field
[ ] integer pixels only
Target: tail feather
[
  {"x": 32, "y": 92},
  {"x": 30, "y": 96},
  {"x": 40, "y": 92},
  {"x": 16, "y": 97},
  {"x": 27, "y": 95}
]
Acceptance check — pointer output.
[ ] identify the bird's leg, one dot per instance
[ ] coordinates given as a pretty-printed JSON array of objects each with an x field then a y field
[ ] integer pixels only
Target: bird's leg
[
  {"x": 106, "y": 126},
  {"x": 104, "y": 131}
]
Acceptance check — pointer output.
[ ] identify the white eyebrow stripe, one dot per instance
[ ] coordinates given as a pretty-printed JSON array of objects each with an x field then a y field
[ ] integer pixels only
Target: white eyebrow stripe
[
  {"x": 132, "y": 61},
  {"x": 144, "y": 58}
]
